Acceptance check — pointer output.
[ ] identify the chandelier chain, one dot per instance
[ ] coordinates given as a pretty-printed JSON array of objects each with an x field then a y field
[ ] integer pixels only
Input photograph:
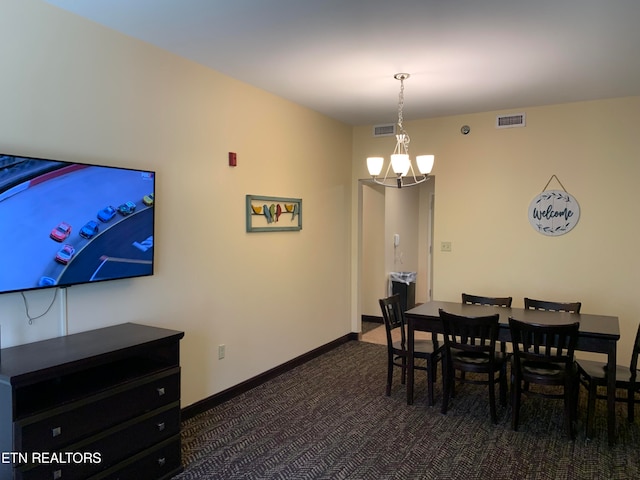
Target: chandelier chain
[
  {"x": 400, "y": 103},
  {"x": 402, "y": 131}
]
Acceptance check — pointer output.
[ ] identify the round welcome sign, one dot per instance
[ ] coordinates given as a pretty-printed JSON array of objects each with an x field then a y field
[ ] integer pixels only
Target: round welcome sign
[{"x": 554, "y": 212}]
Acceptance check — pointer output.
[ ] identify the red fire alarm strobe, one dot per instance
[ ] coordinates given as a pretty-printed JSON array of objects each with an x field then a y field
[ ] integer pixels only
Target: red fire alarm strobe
[{"x": 232, "y": 159}]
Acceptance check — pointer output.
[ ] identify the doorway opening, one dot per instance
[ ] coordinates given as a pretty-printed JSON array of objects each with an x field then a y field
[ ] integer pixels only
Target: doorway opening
[{"x": 395, "y": 235}]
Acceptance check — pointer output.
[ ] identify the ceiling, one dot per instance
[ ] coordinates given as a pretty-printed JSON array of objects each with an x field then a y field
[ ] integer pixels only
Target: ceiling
[{"x": 338, "y": 57}]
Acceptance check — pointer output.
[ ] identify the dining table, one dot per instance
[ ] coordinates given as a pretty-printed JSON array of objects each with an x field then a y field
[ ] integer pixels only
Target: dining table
[{"x": 597, "y": 333}]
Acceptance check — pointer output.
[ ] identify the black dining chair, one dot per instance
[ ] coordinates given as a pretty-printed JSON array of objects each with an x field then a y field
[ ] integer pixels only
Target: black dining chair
[
  {"x": 594, "y": 374},
  {"x": 470, "y": 347},
  {"x": 491, "y": 301},
  {"x": 479, "y": 300},
  {"x": 544, "y": 355},
  {"x": 397, "y": 349},
  {"x": 571, "y": 307}
]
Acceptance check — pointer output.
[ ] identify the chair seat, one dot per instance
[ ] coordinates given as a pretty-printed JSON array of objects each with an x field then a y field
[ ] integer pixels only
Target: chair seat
[
  {"x": 477, "y": 358},
  {"x": 420, "y": 347},
  {"x": 598, "y": 371},
  {"x": 544, "y": 370}
]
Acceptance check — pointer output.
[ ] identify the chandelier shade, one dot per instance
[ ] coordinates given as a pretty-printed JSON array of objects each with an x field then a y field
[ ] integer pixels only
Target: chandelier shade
[
  {"x": 425, "y": 163},
  {"x": 400, "y": 162},
  {"x": 374, "y": 165}
]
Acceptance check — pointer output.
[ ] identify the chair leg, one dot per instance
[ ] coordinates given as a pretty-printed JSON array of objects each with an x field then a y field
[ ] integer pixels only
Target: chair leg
[
  {"x": 631, "y": 404},
  {"x": 570, "y": 407},
  {"x": 567, "y": 414},
  {"x": 568, "y": 399},
  {"x": 591, "y": 406},
  {"x": 430, "y": 381},
  {"x": 515, "y": 401},
  {"x": 403, "y": 379},
  {"x": 389, "y": 374},
  {"x": 451, "y": 374},
  {"x": 444, "y": 376},
  {"x": 447, "y": 380},
  {"x": 492, "y": 397},
  {"x": 503, "y": 385}
]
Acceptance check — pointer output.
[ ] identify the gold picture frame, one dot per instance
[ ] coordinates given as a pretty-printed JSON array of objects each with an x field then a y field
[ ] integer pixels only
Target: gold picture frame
[{"x": 273, "y": 214}]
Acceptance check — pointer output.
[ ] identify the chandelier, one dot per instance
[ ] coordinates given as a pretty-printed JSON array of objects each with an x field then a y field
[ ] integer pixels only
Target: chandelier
[{"x": 403, "y": 173}]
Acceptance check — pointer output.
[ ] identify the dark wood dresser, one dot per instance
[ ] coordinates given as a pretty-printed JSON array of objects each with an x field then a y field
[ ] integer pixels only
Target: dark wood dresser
[{"x": 103, "y": 404}]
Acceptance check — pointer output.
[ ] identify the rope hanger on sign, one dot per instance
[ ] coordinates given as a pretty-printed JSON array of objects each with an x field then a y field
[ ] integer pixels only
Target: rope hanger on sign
[{"x": 558, "y": 180}]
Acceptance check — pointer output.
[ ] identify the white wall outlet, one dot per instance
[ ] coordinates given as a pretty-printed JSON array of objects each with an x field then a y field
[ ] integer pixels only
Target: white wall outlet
[
  {"x": 221, "y": 351},
  {"x": 396, "y": 239}
]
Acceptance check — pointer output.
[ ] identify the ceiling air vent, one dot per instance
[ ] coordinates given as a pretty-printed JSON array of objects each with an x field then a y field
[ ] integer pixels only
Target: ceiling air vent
[
  {"x": 386, "y": 130},
  {"x": 511, "y": 120}
]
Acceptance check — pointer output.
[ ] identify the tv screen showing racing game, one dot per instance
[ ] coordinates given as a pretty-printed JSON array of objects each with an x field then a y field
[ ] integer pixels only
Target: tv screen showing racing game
[{"x": 63, "y": 223}]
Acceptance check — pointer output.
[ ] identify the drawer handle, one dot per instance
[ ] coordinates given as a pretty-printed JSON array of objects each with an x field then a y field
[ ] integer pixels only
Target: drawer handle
[
  {"x": 57, "y": 474},
  {"x": 162, "y": 461},
  {"x": 55, "y": 432},
  {"x": 161, "y": 426},
  {"x": 160, "y": 391}
]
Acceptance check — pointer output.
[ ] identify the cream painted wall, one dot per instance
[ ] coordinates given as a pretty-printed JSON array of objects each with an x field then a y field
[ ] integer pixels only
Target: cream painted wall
[
  {"x": 425, "y": 241},
  {"x": 486, "y": 180},
  {"x": 73, "y": 90},
  {"x": 374, "y": 274}
]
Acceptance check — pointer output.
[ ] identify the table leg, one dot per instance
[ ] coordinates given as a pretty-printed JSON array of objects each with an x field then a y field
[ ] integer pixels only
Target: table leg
[
  {"x": 410, "y": 350},
  {"x": 611, "y": 394}
]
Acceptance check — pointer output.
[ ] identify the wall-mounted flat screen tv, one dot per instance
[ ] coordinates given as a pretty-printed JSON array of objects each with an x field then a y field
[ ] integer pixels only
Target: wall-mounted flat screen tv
[{"x": 66, "y": 223}]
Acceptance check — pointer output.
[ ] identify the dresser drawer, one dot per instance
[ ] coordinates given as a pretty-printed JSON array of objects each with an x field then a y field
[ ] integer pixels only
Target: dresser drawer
[
  {"x": 52, "y": 430},
  {"x": 160, "y": 462},
  {"x": 113, "y": 446}
]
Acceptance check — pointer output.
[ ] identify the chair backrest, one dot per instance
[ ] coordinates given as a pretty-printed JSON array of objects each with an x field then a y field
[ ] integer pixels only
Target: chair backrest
[
  {"x": 471, "y": 334},
  {"x": 393, "y": 318},
  {"x": 634, "y": 355},
  {"x": 477, "y": 300},
  {"x": 543, "y": 343},
  {"x": 571, "y": 307}
]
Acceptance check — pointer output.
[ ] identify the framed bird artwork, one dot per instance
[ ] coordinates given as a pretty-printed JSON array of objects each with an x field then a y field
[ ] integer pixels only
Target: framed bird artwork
[{"x": 273, "y": 214}]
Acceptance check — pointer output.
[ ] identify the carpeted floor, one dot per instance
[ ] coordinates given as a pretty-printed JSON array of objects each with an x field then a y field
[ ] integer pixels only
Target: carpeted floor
[{"x": 330, "y": 419}]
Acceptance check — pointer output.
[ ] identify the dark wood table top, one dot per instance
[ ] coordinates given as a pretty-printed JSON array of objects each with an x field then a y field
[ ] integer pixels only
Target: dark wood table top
[{"x": 602, "y": 326}]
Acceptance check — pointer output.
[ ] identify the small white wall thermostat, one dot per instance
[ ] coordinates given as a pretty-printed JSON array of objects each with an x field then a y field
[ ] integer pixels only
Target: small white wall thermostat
[{"x": 396, "y": 239}]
